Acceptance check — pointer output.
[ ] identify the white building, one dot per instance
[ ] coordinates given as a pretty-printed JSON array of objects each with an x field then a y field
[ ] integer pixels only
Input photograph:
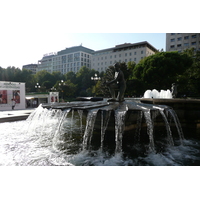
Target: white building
[
  {"x": 69, "y": 59},
  {"x": 73, "y": 58},
  {"x": 31, "y": 67},
  {"x": 121, "y": 53},
  {"x": 181, "y": 41}
]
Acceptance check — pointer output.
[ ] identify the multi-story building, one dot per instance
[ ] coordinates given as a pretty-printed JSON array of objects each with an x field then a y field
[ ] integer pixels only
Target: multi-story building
[
  {"x": 31, "y": 67},
  {"x": 181, "y": 41},
  {"x": 46, "y": 63},
  {"x": 69, "y": 59},
  {"x": 121, "y": 53},
  {"x": 73, "y": 58}
]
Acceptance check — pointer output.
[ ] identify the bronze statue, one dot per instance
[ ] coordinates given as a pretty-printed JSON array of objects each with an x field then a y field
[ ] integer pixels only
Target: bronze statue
[{"x": 118, "y": 83}]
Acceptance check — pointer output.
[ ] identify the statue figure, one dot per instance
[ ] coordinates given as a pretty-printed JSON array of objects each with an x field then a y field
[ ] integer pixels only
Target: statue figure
[
  {"x": 118, "y": 83},
  {"x": 174, "y": 90}
]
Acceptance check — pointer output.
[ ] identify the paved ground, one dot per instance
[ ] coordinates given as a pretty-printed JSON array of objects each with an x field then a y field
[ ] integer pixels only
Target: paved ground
[{"x": 15, "y": 115}]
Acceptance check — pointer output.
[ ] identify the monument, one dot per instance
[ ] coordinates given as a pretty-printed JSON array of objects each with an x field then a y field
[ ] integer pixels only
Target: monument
[{"x": 118, "y": 83}]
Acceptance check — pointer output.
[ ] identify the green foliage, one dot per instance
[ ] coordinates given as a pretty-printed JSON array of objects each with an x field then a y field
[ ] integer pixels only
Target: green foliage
[
  {"x": 160, "y": 70},
  {"x": 190, "y": 79}
]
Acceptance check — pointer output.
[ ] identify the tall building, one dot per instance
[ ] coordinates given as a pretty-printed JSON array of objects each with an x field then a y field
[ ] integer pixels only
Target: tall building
[
  {"x": 69, "y": 59},
  {"x": 46, "y": 63},
  {"x": 121, "y": 53},
  {"x": 32, "y": 67},
  {"x": 73, "y": 58},
  {"x": 181, "y": 41}
]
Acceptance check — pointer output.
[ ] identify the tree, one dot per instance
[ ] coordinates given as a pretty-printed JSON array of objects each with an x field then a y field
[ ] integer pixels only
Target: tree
[
  {"x": 190, "y": 79},
  {"x": 84, "y": 82},
  {"x": 160, "y": 70},
  {"x": 43, "y": 76}
]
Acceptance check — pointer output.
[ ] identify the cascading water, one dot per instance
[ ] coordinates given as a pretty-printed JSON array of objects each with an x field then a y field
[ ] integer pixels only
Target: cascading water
[
  {"x": 119, "y": 126},
  {"x": 65, "y": 135}
]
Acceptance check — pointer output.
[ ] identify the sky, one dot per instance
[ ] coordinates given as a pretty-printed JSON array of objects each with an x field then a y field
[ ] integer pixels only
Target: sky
[{"x": 31, "y": 28}]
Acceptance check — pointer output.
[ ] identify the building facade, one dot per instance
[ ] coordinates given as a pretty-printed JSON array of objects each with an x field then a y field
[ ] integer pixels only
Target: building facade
[
  {"x": 181, "y": 41},
  {"x": 31, "y": 67},
  {"x": 69, "y": 59},
  {"x": 121, "y": 53},
  {"x": 73, "y": 58}
]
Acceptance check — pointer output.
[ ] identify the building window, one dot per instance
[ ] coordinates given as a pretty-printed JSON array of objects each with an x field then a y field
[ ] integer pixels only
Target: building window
[
  {"x": 172, "y": 46},
  {"x": 130, "y": 54},
  {"x": 186, "y": 37},
  {"x": 179, "y": 45},
  {"x": 172, "y": 33},
  {"x": 179, "y": 39},
  {"x": 135, "y": 53},
  {"x": 125, "y": 54},
  {"x": 193, "y": 43},
  {"x": 110, "y": 56},
  {"x": 141, "y": 52},
  {"x": 173, "y": 40},
  {"x": 186, "y": 44},
  {"x": 194, "y": 36}
]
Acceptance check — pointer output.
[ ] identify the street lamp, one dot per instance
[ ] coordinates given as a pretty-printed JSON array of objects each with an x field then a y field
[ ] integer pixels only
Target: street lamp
[
  {"x": 53, "y": 89},
  {"x": 95, "y": 78},
  {"x": 61, "y": 84},
  {"x": 37, "y": 86}
]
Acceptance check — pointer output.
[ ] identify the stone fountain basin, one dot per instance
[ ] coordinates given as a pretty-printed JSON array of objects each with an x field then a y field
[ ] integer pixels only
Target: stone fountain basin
[{"x": 187, "y": 110}]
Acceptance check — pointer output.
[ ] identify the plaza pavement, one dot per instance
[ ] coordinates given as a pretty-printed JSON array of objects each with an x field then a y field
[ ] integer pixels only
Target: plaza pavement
[{"x": 15, "y": 115}]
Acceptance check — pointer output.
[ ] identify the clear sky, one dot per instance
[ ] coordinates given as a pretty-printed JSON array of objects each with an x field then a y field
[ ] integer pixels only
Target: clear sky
[{"x": 31, "y": 28}]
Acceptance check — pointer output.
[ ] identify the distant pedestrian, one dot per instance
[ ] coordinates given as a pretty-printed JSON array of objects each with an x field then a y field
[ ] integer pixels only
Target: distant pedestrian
[
  {"x": 174, "y": 90},
  {"x": 13, "y": 104}
]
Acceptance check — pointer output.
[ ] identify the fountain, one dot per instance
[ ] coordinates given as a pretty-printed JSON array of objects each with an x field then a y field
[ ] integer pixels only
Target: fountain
[
  {"x": 112, "y": 124},
  {"x": 116, "y": 120},
  {"x": 100, "y": 125},
  {"x": 165, "y": 94},
  {"x": 144, "y": 131}
]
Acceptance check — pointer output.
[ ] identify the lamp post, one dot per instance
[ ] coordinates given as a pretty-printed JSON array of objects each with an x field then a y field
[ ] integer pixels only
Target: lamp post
[
  {"x": 37, "y": 86},
  {"x": 95, "y": 78},
  {"x": 53, "y": 89},
  {"x": 61, "y": 84}
]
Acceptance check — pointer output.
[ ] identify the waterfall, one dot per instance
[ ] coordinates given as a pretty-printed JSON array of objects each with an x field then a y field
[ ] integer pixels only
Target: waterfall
[
  {"x": 80, "y": 112},
  {"x": 138, "y": 126},
  {"x": 91, "y": 117},
  {"x": 177, "y": 123},
  {"x": 58, "y": 135},
  {"x": 119, "y": 126},
  {"x": 169, "y": 133},
  {"x": 149, "y": 123},
  {"x": 105, "y": 116}
]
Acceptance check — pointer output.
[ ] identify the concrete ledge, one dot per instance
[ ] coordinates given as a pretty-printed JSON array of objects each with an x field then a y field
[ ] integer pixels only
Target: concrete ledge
[{"x": 14, "y": 115}]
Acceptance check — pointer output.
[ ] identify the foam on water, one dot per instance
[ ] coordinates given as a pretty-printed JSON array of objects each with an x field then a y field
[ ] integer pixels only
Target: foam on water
[{"x": 163, "y": 94}]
